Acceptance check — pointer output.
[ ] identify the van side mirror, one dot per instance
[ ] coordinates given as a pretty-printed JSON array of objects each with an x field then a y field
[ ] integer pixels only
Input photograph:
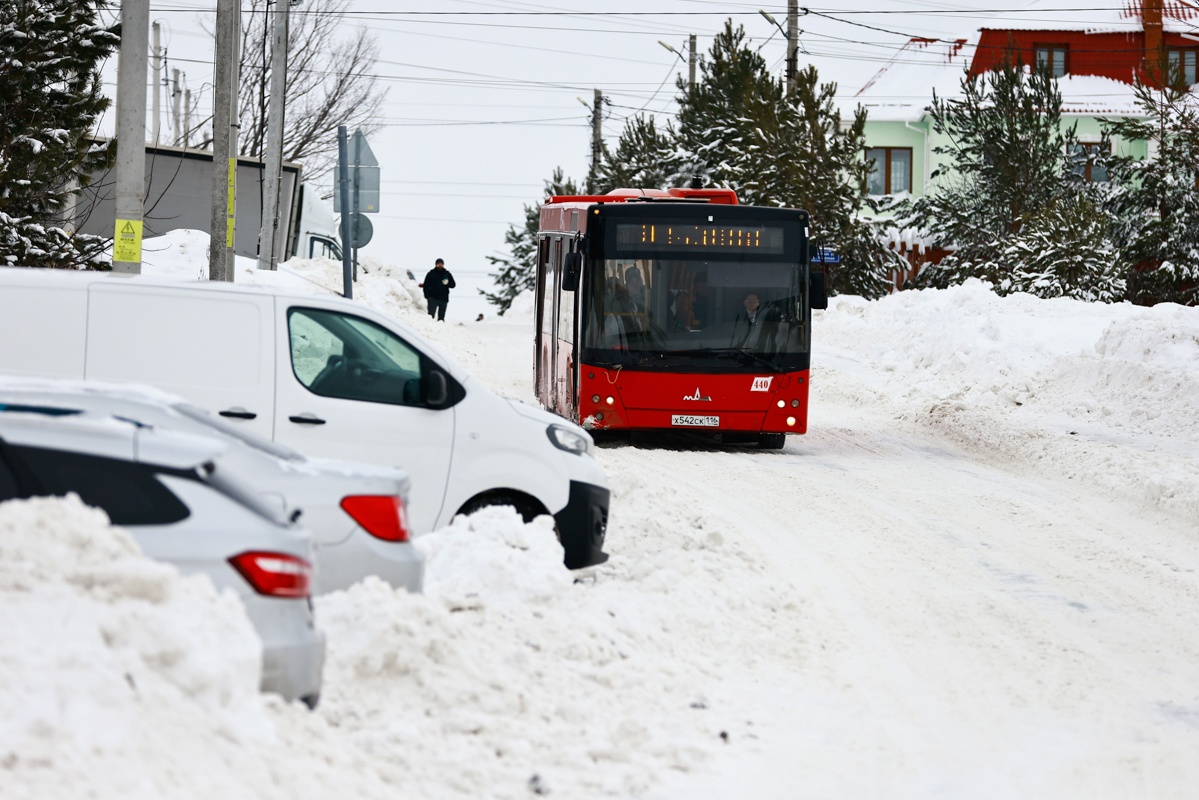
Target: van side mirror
[
  {"x": 572, "y": 267},
  {"x": 436, "y": 389},
  {"x": 816, "y": 289}
]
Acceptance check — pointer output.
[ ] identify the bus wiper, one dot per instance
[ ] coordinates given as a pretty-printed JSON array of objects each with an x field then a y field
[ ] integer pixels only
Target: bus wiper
[
  {"x": 770, "y": 365},
  {"x": 737, "y": 352}
]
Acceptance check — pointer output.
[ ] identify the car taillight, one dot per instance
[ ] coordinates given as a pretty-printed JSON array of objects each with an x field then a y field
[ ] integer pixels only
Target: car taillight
[
  {"x": 274, "y": 574},
  {"x": 381, "y": 515}
]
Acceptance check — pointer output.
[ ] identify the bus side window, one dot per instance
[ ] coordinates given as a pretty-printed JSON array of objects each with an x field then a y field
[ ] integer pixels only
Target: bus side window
[
  {"x": 566, "y": 301},
  {"x": 547, "y": 286}
]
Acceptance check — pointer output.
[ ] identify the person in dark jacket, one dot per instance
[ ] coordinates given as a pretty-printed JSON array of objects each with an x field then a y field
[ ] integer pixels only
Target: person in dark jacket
[{"x": 437, "y": 285}]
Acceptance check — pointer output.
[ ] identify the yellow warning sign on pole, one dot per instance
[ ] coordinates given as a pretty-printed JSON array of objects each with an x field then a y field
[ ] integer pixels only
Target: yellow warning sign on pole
[
  {"x": 231, "y": 204},
  {"x": 127, "y": 242}
]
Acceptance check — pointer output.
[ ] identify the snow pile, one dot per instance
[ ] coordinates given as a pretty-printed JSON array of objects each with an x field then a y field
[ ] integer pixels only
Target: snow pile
[
  {"x": 1057, "y": 383},
  {"x": 114, "y": 670},
  {"x": 493, "y": 553},
  {"x": 540, "y": 684}
]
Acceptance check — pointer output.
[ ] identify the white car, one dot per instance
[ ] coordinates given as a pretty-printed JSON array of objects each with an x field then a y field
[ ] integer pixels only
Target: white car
[
  {"x": 357, "y": 513},
  {"x": 184, "y": 506}
]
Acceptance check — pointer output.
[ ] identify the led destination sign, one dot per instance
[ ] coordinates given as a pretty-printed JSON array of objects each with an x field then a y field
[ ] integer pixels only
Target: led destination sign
[{"x": 667, "y": 237}]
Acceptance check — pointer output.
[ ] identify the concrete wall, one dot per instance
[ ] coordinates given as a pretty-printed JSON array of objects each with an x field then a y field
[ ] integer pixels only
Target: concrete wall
[{"x": 179, "y": 195}]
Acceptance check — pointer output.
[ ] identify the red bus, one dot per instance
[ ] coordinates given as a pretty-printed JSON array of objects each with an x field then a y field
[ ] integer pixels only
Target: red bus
[{"x": 675, "y": 310}]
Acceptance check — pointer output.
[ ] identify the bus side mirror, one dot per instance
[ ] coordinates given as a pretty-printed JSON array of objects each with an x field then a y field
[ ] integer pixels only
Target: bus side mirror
[
  {"x": 816, "y": 290},
  {"x": 572, "y": 267}
]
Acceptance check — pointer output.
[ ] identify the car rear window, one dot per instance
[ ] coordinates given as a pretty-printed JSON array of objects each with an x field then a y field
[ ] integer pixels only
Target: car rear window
[
  {"x": 8, "y": 481},
  {"x": 129, "y": 493}
]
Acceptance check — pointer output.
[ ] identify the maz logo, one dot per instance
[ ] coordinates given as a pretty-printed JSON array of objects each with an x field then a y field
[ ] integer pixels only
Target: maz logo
[{"x": 697, "y": 396}]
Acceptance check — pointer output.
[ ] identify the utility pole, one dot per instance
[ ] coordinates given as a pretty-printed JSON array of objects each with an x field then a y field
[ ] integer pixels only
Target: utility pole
[
  {"x": 131, "y": 137},
  {"x": 691, "y": 63},
  {"x": 597, "y": 138},
  {"x": 220, "y": 232},
  {"x": 187, "y": 117},
  {"x": 176, "y": 97},
  {"x": 157, "y": 55},
  {"x": 792, "y": 45},
  {"x": 234, "y": 128},
  {"x": 343, "y": 186},
  {"x": 268, "y": 234}
]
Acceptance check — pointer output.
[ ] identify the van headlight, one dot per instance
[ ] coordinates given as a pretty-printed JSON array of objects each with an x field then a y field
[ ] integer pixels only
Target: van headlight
[{"x": 568, "y": 440}]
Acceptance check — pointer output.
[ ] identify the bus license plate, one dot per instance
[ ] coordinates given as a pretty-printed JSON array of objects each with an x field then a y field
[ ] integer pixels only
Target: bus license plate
[{"x": 692, "y": 421}]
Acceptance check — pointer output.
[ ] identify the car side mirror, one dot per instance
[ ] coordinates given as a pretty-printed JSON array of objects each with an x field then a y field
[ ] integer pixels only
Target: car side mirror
[
  {"x": 436, "y": 389},
  {"x": 572, "y": 267},
  {"x": 816, "y": 290}
]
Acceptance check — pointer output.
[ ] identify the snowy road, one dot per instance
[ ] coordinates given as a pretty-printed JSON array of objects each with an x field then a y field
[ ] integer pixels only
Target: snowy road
[
  {"x": 962, "y": 603},
  {"x": 969, "y": 628}
]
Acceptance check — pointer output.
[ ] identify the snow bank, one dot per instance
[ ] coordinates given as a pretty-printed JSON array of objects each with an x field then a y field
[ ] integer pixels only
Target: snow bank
[
  {"x": 1056, "y": 383},
  {"x": 509, "y": 678},
  {"x": 115, "y": 672}
]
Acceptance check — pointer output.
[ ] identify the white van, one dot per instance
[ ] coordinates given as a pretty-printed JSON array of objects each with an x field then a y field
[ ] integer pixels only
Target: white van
[{"x": 324, "y": 375}]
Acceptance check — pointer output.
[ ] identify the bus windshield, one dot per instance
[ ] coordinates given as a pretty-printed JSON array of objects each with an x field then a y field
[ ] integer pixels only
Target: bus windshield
[{"x": 695, "y": 310}]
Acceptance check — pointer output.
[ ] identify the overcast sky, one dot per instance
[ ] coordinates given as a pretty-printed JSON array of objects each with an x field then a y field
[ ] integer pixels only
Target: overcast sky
[{"x": 484, "y": 95}]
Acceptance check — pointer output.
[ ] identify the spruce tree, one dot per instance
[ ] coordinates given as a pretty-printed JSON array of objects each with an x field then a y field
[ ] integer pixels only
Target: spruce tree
[
  {"x": 740, "y": 127},
  {"x": 717, "y": 117},
  {"x": 645, "y": 158},
  {"x": 1159, "y": 201},
  {"x": 1004, "y": 164},
  {"x": 518, "y": 270},
  {"x": 50, "y": 57}
]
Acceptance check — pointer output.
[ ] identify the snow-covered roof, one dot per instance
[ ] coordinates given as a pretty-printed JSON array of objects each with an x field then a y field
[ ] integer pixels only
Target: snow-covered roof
[
  {"x": 913, "y": 86},
  {"x": 1124, "y": 16}
]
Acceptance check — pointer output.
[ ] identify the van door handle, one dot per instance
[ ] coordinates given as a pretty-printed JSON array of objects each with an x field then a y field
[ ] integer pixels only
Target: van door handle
[
  {"x": 307, "y": 419},
  {"x": 237, "y": 412}
]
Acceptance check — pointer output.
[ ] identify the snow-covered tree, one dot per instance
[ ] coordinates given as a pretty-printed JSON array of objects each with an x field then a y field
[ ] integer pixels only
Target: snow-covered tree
[
  {"x": 1003, "y": 164},
  {"x": 645, "y": 158},
  {"x": 50, "y": 54},
  {"x": 518, "y": 269},
  {"x": 1066, "y": 250},
  {"x": 741, "y": 129},
  {"x": 718, "y": 115},
  {"x": 1159, "y": 204},
  {"x": 1013, "y": 199}
]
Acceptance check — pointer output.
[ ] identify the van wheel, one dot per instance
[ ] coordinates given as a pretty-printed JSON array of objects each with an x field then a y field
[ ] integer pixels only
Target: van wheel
[
  {"x": 528, "y": 508},
  {"x": 771, "y": 441}
]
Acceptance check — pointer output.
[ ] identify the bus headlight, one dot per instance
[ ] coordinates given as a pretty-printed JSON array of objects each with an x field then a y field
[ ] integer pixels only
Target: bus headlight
[{"x": 568, "y": 440}]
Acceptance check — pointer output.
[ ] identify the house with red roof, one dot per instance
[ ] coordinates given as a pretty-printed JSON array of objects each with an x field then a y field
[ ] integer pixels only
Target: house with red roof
[{"x": 1096, "y": 54}]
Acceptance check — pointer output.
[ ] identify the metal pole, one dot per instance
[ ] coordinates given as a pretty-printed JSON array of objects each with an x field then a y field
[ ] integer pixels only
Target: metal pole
[
  {"x": 356, "y": 186},
  {"x": 131, "y": 137},
  {"x": 157, "y": 83},
  {"x": 234, "y": 127},
  {"x": 187, "y": 117},
  {"x": 176, "y": 96},
  {"x": 597, "y": 137},
  {"x": 792, "y": 45},
  {"x": 269, "y": 232},
  {"x": 691, "y": 64},
  {"x": 227, "y": 13},
  {"x": 343, "y": 175}
]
